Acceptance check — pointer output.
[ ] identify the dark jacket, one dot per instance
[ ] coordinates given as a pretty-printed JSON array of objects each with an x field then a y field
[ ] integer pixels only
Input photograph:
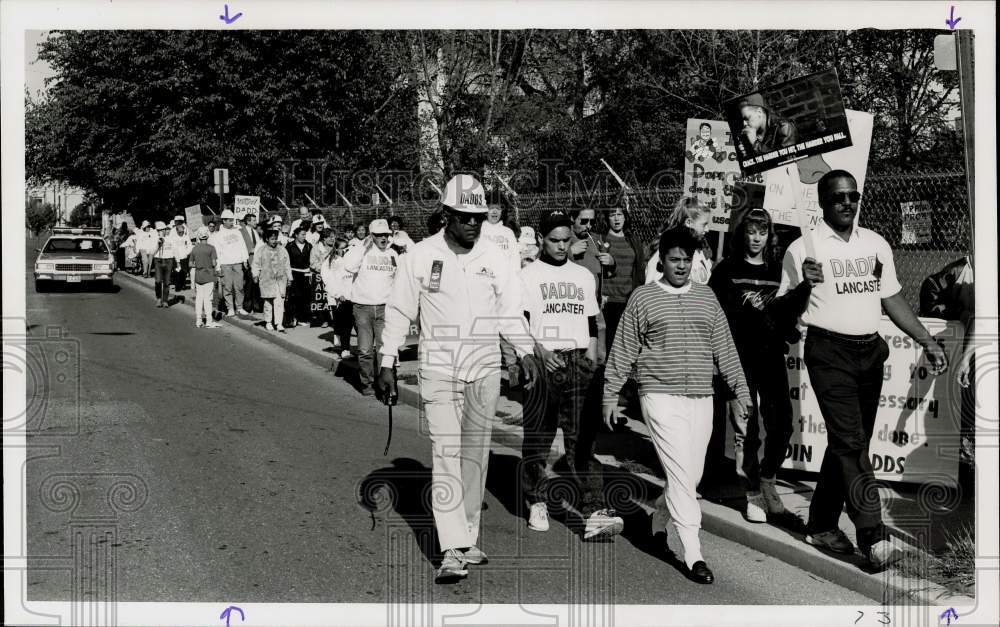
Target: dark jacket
[{"x": 299, "y": 259}]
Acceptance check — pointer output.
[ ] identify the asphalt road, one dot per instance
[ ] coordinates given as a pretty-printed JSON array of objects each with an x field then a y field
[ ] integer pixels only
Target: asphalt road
[{"x": 219, "y": 468}]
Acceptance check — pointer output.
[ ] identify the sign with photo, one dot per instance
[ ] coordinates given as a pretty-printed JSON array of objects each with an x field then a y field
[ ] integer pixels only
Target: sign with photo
[
  {"x": 711, "y": 172},
  {"x": 788, "y": 122},
  {"x": 192, "y": 215},
  {"x": 916, "y": 223},
  {"x": 786, "y": 194},
  {"x": 242, "y": 205}
]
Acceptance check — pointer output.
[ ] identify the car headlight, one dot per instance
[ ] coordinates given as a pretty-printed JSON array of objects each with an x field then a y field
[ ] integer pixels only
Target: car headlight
[
  {"x": 102, "y": 267},
  {"x": 45, "y": 267}
]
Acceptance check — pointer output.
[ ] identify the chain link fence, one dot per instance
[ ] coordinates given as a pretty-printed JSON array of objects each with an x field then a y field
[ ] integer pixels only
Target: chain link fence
[{"x": 924, "y": 216}]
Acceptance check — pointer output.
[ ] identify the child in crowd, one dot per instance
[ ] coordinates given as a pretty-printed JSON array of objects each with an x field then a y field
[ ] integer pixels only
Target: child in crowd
[
  {"x": 673, "y": 332},
  {"x": 272, "y": 270},
  {"x": 205, "y": 270},
  {"x": 745, "y": 283},
  {"x": 331, "y": 273},
  {"x": 691, "y": 213}
]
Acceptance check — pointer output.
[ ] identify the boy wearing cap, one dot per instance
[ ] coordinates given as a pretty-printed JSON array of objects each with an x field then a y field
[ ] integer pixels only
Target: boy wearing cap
[
  {"x": 559, "y": 299},
  {"x": 204, "y": 271},
  {"x": 370, "y": 270},
  {"x": 465, "y": 295}
]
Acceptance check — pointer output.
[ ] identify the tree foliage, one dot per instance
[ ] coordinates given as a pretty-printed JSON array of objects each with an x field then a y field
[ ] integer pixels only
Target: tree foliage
[{"x": 39, "y": 216}]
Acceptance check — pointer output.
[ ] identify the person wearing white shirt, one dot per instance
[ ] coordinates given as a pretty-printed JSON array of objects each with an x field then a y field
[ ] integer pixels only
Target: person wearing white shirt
[
  {"x": 185, "y": 246},
  {"x": 360, "y": 233},
  {"x": 371, "y": 269},
  {"x": 303, "y": 217},
  {"x": 839, "y": 278},
  {"x": 233, "y": 259},
  {"x": 559, "y": 299},
  {"x": 465, "y": 296},
  {"x": 148, "y": 243},
  {"x": 494, "y": 230},
  {"x": 165, "y": 257}
]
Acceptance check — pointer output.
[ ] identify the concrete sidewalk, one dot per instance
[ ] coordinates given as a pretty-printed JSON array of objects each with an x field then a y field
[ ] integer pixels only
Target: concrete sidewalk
[{"x": 919, "y": 519}]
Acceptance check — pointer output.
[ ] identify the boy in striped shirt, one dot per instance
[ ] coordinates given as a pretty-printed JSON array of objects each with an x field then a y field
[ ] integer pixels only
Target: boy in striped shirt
[{"x": 674, "y": 331}]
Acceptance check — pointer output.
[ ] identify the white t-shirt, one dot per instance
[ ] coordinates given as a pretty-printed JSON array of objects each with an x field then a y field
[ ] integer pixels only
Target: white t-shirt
[
  {"x": 559, "y": 299},
  {"x": 857, "y": 275},
  {"x": 372, "y": 272},
  {"x": 701, "y": 268}
]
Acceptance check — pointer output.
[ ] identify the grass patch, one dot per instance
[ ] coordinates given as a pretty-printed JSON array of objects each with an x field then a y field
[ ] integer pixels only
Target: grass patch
[{"x": 953, "y": 567}]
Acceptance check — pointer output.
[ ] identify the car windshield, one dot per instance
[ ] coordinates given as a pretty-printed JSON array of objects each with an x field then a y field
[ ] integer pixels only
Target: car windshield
[{"x": 65, "y": 245}]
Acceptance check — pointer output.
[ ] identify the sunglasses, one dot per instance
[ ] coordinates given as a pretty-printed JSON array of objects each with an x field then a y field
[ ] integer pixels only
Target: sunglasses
[
  {"x": 584, "y": 221},
  {"x": 466, "y": 218},
  {"x": 842, "y": 198}
]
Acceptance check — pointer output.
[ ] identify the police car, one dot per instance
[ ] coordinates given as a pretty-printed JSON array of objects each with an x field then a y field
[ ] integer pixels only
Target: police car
[{"x": 75, "y": 255}]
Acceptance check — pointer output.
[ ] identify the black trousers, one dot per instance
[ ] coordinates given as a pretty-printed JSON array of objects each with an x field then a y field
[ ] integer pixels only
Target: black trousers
[
  {"x": 252, "y": 301},
  {"x": 343, "y": 323},
  {"x": 181, "y": 273},
  {"x": 569, "y": 398},
  {"x": 163, "y": 269},
  {"x": 767, "y": 377},
  {"x": 299, "y": 295},
  {"x": 846, "y": 375},
  {"x": 612, "y": 316}
]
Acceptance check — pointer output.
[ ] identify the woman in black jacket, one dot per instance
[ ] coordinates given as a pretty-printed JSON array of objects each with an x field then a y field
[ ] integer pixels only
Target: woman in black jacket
[{"x": 627, "y": 273}]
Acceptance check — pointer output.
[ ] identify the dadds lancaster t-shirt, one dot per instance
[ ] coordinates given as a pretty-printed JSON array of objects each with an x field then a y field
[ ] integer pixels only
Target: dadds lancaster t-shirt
[{"x": 559, "y": 299}]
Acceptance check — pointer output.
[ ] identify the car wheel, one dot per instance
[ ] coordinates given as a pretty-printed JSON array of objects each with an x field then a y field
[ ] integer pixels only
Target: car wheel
[{"x": 40, "y": 286}]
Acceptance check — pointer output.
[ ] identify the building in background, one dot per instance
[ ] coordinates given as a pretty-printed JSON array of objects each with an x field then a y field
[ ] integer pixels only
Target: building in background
[{"x": 63, "y": 197}]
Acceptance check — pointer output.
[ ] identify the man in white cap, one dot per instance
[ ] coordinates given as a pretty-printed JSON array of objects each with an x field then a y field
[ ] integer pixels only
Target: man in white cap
[
  {"x": 165, "y": 258},
  {"x": 370, "y": 270},
  {"x": 182, "y": 239},
  {"x": 233, "y": 259},
  {"x": 465, "y": 294},
  {"x": 148, "y": 242}
]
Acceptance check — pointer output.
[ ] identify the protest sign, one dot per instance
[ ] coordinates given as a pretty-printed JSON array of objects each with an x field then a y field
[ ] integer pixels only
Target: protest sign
[
  {"x": 785, "y": 193},
  {"x": 242, "y": 205},
  {"x": 788, "y": 122},
  {"x": 192, "y": 215},
  {"x": 711, "y": 172},
  {"x": 916, "y": 223}
]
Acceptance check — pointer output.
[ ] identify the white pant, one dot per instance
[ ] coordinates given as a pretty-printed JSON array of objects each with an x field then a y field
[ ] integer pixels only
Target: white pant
[
  {"x": 203, "y": 302},
  {"x": 680, "y": 427},
  {"x": 460, "y": 419},
  {"x": 277, "y": 306}
]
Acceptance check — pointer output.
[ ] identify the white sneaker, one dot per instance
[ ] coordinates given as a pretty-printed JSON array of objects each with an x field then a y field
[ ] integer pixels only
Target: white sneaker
[
  {"x": 883, "y": 554},
  {"x": 198, "y": 325},
  {"x": 452, "y": 567},
  {"x": 344, "y": 354},
  {"x": 244, "y": 312},
  {"x": 213, "y": 325},
  {"x": 231, "y": 314},
  {"x": 538, "y": 517},
  {"x": 774, "y": 504},
  {"x": 271, "y": 327},
  {"x": 280, "y": 328},
  {"x": 756, "y": 508},
  {"x": 603, "y": 522}
]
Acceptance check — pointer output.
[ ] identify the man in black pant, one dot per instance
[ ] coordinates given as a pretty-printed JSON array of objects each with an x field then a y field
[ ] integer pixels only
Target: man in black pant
[
  {"x": 840, "y": 287},
  {"x": 300, "y": 293}
]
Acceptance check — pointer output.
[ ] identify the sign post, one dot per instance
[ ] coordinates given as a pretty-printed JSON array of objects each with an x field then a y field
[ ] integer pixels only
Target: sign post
[{"x": 221, "y": 185}]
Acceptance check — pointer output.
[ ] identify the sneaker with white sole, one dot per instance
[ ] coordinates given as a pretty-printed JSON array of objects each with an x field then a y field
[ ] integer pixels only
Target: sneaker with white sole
[
  {"x": 452, "y": 567},
  {"x": 475, "y": 556},
  {"x": 775, "y": 506},
  {"x": 834, "y": 540},
  {"x": 883, "y": 554},
  {"x": 344, "y": 354},
  {"x": 538, "y": 517},
  {"x": 756, "y": 508},
  {"x": 213, "y": 325},
  {"x": 603, "y": 523}
]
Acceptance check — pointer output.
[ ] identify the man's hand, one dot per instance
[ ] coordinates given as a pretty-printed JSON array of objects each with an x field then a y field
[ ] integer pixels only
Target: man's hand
[
  {"x": 385, "y": 386},
  {"x": 812, "y": 272},
  {"x": 579, "y": 247},
  {"x": 605, "y": 258},
  {"x": 529, "y": 372},
  {"x": 550, "y": 359},
  {"x": 740, "y": 409},
  {"x": 937, "y": 357},
  {"x": 964, "y": 369},
  {"x": 513, "y": 376},
  {"x": 609, "y": 411}
]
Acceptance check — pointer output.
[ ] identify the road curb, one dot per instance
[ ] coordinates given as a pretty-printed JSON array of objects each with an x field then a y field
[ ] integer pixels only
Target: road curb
[{"x": 887, "y": 587}]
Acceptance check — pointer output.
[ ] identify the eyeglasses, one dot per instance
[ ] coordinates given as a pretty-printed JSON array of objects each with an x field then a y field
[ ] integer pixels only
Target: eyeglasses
[
  {"x": 842, "y": 198},
  {"x": 584, "y": 221},
  {"x": 466, "y": 218}
]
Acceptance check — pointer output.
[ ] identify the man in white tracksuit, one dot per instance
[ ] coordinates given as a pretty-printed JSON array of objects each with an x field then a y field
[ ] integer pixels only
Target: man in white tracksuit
[
  {"x": 233, "y": 258},
  {"x": 465, "y": 293}
]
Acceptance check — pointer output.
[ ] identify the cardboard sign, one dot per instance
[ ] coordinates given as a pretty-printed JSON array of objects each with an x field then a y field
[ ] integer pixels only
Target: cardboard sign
[
  {"x": 916, "y": 222},
  {"x": 711, "y": 171},
  {"x": 788, "y": 122},
  {"x": 242, "y": 205},
  {"x": 192, "y": 215},
  {"x": 785, "y": 193}
]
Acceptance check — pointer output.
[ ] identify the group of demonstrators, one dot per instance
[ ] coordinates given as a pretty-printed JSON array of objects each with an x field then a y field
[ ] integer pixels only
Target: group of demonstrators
[
  {"x": 685, "y": 331},
  {"x": 573, "y": 315}
]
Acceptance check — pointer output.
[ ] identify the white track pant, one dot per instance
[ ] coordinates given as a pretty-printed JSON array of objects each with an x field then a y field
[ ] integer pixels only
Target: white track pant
[
  {"x": 460, "y": 418},
  {"x": 203, "y": 302},
  {"x": 680, "y": 427}
]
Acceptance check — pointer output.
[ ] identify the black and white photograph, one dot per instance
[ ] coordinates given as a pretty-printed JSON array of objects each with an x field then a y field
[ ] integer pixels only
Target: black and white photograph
[{"x": 439, "y": 313}]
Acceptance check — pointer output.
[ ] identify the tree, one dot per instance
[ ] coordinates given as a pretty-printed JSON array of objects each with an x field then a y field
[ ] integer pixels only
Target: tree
[{"x": 39, "y": 216}]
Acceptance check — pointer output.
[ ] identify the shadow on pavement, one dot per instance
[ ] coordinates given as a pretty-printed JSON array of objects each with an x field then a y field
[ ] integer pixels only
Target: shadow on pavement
[{"x": 405, "y": 488}]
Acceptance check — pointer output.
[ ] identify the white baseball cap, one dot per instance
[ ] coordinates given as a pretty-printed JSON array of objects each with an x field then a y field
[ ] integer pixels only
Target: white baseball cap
[
  {"x": 160, "y": 226},
  {"x": 379, "y": 227},
  {"x": 464, "y": 193},
  {"x": 178, "y": 219},
  {"x": 228, "y": 215},
  {"x": 202, "y": 232}
]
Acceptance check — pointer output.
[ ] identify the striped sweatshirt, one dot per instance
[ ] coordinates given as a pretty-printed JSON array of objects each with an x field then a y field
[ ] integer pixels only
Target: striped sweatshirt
[{"x": 674, "y": 336}]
